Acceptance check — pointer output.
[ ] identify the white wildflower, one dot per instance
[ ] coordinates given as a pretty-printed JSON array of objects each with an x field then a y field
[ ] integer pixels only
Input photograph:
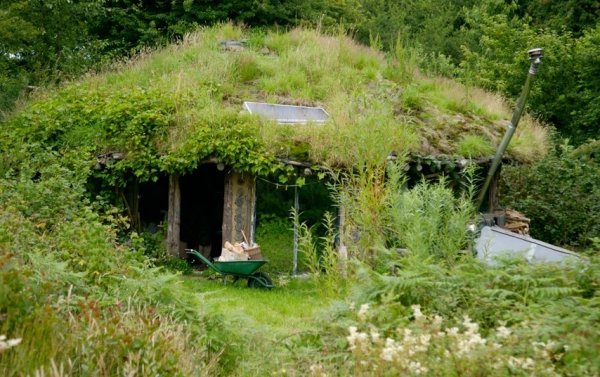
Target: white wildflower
[
  {"x": 8, "y": 343},
  {"x": 471, "y": 326},
  {"x": 387, "y": 354},
  {"x": 437, "y": 321},
  {"x": 423, "y": 343},
  {"x": 374, "y": 336},
  {"x": 550, "y": 345},
  {"x": 391, "y": 350},
  {"x": 356, "y": 339},
  {"x": 452, "y": 331},
  {"x": 503, "y": 332},
  {"x": 417, "y": 368},
  {"x": 528, "y": 363},
  {"x": 469, "y": 342},
  {"x": 363, "y": 311},
  {"x": 514, "y": 362},
  {"x": 417, "y": 312}
]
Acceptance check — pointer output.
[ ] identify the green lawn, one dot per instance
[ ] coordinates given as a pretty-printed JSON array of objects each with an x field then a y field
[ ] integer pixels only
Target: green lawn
[{"x": 257, "y": 331}]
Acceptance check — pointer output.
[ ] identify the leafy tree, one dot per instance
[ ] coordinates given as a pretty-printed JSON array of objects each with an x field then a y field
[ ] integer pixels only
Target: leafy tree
[
  {"x": 567, "y": 87},
  {"x": 561, "y": 195},
  {"x": 42, "y": 41},
  {"x": 574, "y": 16},
  {"x": 129, "y": 24},
  {"x": 435, "y": 26}
]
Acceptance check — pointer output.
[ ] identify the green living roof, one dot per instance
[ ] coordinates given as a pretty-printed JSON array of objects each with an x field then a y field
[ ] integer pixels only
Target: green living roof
[{"x": 167, "y": 110}]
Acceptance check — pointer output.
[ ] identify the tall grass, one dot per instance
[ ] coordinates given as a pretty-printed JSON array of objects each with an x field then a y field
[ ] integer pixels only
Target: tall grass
[
  {"x": 321, "y": 256},
  {"x": 81, "y": 303},
  {"x": 378, "y": 104},
  {"x": 436, "y": 309}
]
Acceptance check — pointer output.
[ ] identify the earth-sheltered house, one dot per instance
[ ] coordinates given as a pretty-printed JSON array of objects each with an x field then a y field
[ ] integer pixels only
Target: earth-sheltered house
[{"x": 168, "y": 133}]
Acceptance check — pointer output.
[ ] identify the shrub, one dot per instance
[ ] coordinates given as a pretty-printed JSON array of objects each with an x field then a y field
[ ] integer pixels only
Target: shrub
[
  {"x": 561, "y": 195},
  {"x": 468, "y": 319},
  {"x": 80, "y": 302}
]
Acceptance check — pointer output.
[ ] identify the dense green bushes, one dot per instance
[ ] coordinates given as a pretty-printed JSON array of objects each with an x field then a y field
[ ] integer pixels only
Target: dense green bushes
[
  {"x": 80, "y": 302},
  {"x": 435, "y": 309},
  {"x": 470, "y": 320},
  {"x": 561, "y": 195}
]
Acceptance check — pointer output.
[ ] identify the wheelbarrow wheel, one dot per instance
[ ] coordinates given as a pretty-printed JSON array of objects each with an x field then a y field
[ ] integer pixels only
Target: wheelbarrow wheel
[{"x": 260, "y": 280}]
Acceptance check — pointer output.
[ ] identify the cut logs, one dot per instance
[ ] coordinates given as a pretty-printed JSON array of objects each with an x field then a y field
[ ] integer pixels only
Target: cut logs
[{"x": 239, "y": 251}]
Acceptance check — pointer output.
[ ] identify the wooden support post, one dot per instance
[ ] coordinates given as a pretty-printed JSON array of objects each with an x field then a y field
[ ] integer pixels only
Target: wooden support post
[
  {"x": 342, "y": 249},
  {"x": 296, "y": 236},
  {"x": 238, "y": 207},
  {"x": 493, "y": 191},
  {"x": 174, "y": 216},
  {"x": 131, "y": 198}
]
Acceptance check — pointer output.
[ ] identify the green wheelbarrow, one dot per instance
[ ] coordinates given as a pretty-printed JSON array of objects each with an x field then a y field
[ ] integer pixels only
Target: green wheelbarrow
[{"x": 239, "y": 270}]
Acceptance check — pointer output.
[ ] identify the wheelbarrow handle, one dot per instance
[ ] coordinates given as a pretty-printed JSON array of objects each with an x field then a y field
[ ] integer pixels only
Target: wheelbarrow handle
[{"x": 202, "y": 258}]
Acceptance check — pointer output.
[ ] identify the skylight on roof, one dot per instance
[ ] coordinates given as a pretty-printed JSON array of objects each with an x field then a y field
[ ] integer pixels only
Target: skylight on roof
[{"x": 287, "y": 114}]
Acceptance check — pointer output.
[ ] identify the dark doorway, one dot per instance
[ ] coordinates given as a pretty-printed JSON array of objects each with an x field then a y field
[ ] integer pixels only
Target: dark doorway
[
  {"x": 154, "y": 204},
  {"x": 202, "y": 209}
]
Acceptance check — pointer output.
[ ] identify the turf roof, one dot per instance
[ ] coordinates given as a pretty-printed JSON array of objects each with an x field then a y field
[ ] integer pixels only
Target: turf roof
[{"x": 182, "y": 104}]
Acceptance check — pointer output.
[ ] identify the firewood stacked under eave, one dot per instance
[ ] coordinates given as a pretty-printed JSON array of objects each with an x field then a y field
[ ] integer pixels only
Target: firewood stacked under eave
[{"x": 516, "y": 222}]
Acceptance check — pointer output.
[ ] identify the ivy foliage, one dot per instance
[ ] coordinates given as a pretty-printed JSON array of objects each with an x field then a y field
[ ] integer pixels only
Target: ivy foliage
[{"x": 169, "y": 110}]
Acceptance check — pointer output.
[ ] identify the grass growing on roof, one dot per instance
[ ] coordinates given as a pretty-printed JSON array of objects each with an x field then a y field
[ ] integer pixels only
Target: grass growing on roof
[{"x": 164, "y": 109}]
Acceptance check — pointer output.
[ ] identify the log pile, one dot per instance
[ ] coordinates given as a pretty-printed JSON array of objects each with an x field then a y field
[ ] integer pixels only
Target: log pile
[
  {"x": 239, "y": 251},
  {"x": 516, "y": 222}
]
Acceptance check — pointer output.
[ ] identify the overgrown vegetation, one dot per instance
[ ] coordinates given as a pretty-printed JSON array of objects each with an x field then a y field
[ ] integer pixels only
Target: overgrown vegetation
[
  {"x": 419, "y": 311},
  {"x": 166, "y": 111},
  {"x": 80, "y": 302},
  {"x": 79, "y": 296},
  {"x": 560, "y": 193}
]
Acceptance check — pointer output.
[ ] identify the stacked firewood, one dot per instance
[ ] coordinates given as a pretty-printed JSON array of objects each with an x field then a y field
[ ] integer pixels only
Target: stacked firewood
[
  {"x": 239, "y": 251},
  {"x": 516, "y": 222}
]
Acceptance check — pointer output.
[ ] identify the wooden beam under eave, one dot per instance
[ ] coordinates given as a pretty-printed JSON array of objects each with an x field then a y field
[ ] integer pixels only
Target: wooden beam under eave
[{"x": 174, "y": 216}]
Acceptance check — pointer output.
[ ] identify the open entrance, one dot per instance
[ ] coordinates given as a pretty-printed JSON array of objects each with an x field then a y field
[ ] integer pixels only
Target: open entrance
[
  {"x": 201, "y": 208},
  {"x": 153, "y": 204}
]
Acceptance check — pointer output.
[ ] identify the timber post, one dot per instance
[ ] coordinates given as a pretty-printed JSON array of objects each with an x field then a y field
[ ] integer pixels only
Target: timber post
[
  {"x": 174, "y": 216},
  {"x": 238, "y": 207}
]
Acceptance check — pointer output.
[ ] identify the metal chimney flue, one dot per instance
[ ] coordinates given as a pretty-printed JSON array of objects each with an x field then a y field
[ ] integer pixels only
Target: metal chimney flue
[{"x": 535, "y": 57}]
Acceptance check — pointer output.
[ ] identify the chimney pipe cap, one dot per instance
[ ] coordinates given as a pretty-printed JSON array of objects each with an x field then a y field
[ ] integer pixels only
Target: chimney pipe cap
[{"x": 535, "y": 54}]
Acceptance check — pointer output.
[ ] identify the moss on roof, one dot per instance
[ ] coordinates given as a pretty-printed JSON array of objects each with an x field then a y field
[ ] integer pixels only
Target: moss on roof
[{"x": 167, "y": 110}]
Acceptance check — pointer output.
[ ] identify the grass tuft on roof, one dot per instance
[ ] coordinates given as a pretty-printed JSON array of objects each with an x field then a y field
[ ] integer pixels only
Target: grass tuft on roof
[{"x": 169, "y": 109}]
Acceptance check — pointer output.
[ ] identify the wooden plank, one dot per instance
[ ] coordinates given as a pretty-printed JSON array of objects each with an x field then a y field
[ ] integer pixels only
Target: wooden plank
[
  {"x": 239, "y": 206},
  {"x": 131, "y": 198},
  {"x": 174, "y": 216},
  {"x": 493, "y": 191},
  {"x": 342, "y": 249}
]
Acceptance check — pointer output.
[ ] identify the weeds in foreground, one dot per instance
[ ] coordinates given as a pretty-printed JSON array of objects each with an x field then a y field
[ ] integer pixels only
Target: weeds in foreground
[
  {"x": 430, "y": 346},
  {"x": 321, "y": 255},
  {"x": 75, "y": 302}
]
